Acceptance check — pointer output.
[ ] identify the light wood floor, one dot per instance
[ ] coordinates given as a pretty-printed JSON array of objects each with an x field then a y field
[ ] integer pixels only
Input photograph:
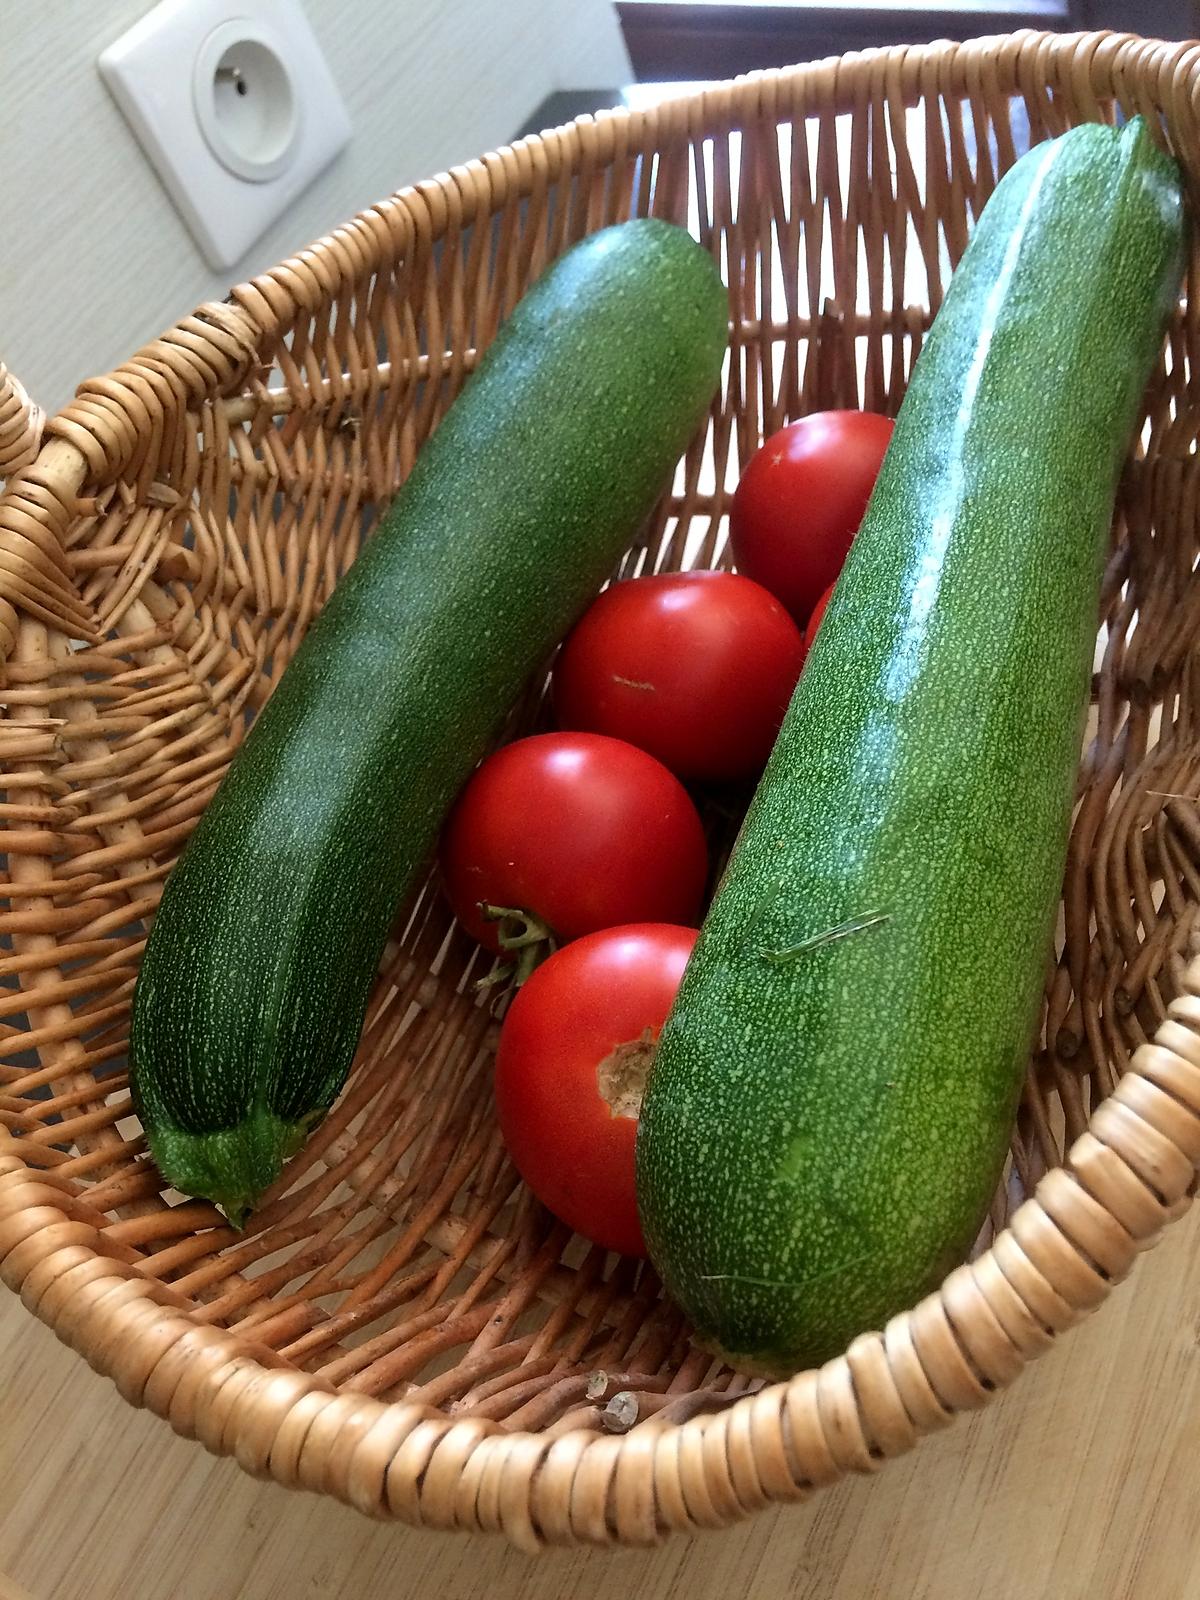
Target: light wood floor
[{"x": 1082, "y": 1483}]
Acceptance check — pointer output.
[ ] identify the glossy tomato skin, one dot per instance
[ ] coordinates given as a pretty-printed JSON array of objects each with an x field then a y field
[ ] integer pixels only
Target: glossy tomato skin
[
  {"x": 605, "y": 991},
  {"x": 800, "y": 502},
  {"x": 580, "y": 830},
  {"x": 814, "y": 621},
  {"x": 696, "y": 668}
]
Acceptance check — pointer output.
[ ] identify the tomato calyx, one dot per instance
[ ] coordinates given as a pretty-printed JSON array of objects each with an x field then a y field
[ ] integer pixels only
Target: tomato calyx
[
  {"x": 522, "y": 936},
  {"x": 621, "y": 1076}
]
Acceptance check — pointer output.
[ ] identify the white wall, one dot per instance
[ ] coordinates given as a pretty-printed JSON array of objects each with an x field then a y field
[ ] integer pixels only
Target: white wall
[{"x": 94, "y": 259}]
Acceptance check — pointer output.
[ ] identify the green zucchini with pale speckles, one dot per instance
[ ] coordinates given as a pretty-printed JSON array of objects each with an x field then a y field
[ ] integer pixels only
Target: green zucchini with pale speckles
[
  {"x": 833, "y": 1095},
  {"x": 253, "y": 987}
]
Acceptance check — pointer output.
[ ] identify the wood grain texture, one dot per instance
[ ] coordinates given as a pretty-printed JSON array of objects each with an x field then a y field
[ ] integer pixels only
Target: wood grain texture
[
  {"x": 1078, "y": 1485},
  {"x": 678, "y": 39},
  {"x": 672, "y": 39}
]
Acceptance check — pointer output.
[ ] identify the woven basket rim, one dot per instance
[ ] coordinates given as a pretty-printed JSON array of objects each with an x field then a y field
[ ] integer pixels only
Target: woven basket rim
[{"x": 1123, "y": 1181}]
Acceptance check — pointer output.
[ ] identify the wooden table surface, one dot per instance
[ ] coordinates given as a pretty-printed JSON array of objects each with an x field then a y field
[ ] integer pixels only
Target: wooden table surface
[{"x": 1079, "y": 1484}]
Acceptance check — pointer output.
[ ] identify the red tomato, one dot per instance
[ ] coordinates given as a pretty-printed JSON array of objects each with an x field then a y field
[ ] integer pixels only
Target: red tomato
[
  {"x": 801, "y": 499},
  {"x": 570, "y": 1068},
  {"x": 814, "y": 622},
  {"x": 576, "y": 831},
  {"x": 695, "y": 667}
]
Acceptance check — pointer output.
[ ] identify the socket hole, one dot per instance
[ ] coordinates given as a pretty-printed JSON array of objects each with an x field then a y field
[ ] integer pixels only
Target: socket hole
[{"x": 254, "y": 106}]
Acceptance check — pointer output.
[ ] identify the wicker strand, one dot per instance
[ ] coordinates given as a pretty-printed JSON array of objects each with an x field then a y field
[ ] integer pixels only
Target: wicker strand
[{"x": 21, "y": 424}]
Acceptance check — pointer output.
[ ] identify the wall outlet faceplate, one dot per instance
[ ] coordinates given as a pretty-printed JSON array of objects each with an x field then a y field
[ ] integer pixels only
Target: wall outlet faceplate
[{"x": 235, "y": 106}]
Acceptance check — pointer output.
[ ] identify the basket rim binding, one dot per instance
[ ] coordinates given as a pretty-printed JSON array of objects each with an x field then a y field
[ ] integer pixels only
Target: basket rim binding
[{"x": 1123, "y": 1180}]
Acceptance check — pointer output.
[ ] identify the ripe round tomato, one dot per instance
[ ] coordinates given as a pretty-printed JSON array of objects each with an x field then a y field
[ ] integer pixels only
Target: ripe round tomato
[
  {"x": 570, "y": 1067},
  {"x": 814, "y": 622},
  {"x": 800, "y": 501},
  {"x": 695, "y": 667},
  {"x": 573, "y": 831}
]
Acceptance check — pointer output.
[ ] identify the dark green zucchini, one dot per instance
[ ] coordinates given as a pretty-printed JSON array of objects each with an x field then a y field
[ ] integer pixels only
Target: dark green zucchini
[{"x": 254, "y": 983}]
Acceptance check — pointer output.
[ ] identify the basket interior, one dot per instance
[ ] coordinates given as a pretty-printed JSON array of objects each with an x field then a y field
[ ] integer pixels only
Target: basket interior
[{"x": 399, "y": 1256}]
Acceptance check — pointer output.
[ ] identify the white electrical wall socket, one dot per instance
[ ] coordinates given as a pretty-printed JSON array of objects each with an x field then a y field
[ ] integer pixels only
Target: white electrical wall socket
[{"x": 235, "y": 105}]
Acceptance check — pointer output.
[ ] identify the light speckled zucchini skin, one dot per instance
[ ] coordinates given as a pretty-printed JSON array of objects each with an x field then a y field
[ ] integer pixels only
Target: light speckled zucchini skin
[
  {"x": 254, "y": 983},
  {"x": 834, "y": 1092}
]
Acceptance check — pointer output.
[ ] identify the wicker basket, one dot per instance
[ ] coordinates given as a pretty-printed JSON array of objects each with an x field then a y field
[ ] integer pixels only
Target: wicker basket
[{"x": 401, "y": 1326}]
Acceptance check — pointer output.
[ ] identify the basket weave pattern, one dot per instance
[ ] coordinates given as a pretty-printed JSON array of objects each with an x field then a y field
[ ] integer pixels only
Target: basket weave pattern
[{"x": 400, "y": 1325}]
